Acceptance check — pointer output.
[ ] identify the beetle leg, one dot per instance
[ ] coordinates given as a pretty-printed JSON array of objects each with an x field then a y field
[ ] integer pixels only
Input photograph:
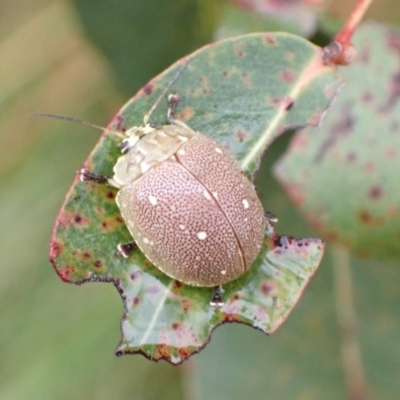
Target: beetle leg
[
  {"x": 124, "y": 249},
  {"x": 86, "y": 175},
  {"x": 272, "y": 218},
  {"x": 217, "y": 297},
  {"x": 173, "y": 100}
]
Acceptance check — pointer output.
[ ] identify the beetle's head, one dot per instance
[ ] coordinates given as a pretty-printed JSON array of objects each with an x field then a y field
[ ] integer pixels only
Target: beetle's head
[{"x": 133, "y": 135}]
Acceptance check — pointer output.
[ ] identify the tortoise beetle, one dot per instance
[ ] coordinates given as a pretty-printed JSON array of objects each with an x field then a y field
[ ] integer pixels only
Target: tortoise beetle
[{"x": 187, "y": 204}]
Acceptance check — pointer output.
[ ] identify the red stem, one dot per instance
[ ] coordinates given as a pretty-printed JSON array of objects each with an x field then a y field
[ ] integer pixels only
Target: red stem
[{"x": 345, "y": 34}]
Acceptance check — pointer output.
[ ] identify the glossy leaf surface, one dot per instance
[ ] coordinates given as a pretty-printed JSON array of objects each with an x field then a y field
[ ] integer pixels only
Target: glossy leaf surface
[
  {"x": 243, "y": 92},
  {"x": 344, "y": 176}
]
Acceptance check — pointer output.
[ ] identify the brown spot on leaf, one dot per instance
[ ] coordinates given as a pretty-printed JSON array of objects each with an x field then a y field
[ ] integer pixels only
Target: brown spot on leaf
[
  {"x": 225, "y": 74},
  {"x": 66, "y": 218},
  {"x": 391, "y": 154},
  {"x": 367, "y": 97},
  {"x": 241, "y": 135},
  {"x": 154, "y": 289},
  {"x": 186, "y": 305},
  {"x": 239, "y": 50},
  {"x": 370, "y": 167},
  {"x": 66, "y": 272},
  {"x": 109, "y": 224},
  {"x": 184, "y": 353},
  {"x": 370, "y": 220},
  {"x": 136, "y": 301},
  {"x": 288, "y": 75},
  {"x": 269, "y": 288},
  {"x": 270, "y": 40},
  {"x": 135, "y": 276},
  {"x": 393, "y": 39},
  {"x": 119, "y": 123},
  {"x": 148, "y": 89},
  {"x": 98, "y": 264},
  {"x": 178, "y": 285},
  {"x": 56, "y": 249},
  {"x": 375, "y": 193},
  {"x": 332, "y": 236},
  {"x": 289, "y": 105},
  {"x": 315, "y": 118},
  {"x": 110, "y": 195},
  {"x": 229, "y": 317},
  {"x": 164, "y": 351},
  {"x": 289, "y": 56},
  {"x": 175, "y": 326},
  {"x": 85, "y": 255},
  {"x": 351, "y": 157},
  {"x": 80, "y": 220},
  {"x": 186, "y": 113}
]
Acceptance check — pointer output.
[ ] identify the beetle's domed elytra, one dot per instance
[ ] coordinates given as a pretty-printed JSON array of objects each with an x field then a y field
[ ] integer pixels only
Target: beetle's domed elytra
[{"x": 190, "y": 209}]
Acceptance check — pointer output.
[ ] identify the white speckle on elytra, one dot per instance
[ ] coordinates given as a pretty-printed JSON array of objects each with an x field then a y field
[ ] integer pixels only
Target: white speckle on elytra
[
  {"x": 173, "y": 208},
  {"x": 245, "y": 203},
  {"x": 146, "y": 241},
  {"x": 218, "y": 150},
  {"x": 215, "y": 194},
  {"x": 207, "y": 195},
  {"x": 201, "y": 235},
  {"x": 198, "y": 258},
  {"x": 182, "y": 227},
  {"x": 153, "y": 200},
  {"x": 246, "y": 219},
  {"x": 181, "y": 152},
  {"x": 223, "y": 272}
]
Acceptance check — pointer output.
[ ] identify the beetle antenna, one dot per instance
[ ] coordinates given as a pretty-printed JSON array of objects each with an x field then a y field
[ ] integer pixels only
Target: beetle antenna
[
  {"x": 174, "y": 79},
  {"x": 76, "y": 121}
]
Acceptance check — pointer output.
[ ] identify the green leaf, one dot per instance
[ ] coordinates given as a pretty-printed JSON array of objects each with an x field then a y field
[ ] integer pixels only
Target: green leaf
[
  {"x": 243, "y": 92},
  {"x": 142, "y": 37},
  {"x": 343, "y": 176}
]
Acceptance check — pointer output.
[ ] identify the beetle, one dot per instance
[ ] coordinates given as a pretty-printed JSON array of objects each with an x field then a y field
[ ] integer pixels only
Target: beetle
[{"x": 185, "y": 201}]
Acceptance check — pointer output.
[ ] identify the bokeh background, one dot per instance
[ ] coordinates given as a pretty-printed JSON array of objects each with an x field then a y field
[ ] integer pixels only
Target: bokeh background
[{"x": 85, "y": 58}]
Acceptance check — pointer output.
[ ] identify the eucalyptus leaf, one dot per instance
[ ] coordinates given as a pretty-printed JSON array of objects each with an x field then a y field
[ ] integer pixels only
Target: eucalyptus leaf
[
  {"x": 344, "y": 176},
  {"x": 243, "y": 92}
]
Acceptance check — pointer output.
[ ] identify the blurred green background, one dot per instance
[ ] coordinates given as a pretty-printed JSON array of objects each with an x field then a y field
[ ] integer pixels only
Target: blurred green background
[{"x": 85, "y": 58}]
